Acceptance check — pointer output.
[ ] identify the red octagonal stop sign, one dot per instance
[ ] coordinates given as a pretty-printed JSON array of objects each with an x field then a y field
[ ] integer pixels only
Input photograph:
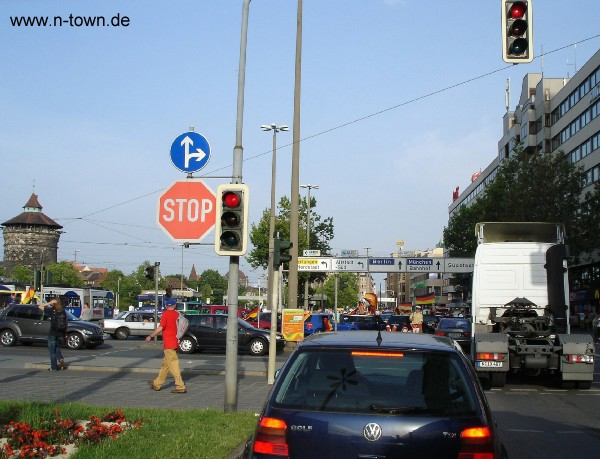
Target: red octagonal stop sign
[{"x": 187, "y": 210}]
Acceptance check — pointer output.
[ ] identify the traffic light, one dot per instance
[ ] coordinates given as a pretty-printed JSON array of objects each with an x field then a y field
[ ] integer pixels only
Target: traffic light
[
  {"x": 279, "y": 254},
  {"x": 517, "y": 31},
  {"x": 231, "y": 234},
  {"x": 150, "y": 273},
  {"x": 168, "y": 292}
]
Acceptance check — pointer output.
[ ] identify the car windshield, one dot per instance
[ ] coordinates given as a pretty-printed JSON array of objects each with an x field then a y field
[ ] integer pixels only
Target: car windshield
[
  {"x": 377, "y": 381},
  {"x": 121, "y": 315},
  {"x": 450, "y": 323}
]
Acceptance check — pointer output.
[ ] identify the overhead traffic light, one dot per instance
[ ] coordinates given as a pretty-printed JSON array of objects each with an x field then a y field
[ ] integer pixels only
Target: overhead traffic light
[
  {"x": 280, "y": 254},
  {"x": 517, "y": 31},
  {"x": 231, "y": 234},
  {"x": 150, "y": 273}
]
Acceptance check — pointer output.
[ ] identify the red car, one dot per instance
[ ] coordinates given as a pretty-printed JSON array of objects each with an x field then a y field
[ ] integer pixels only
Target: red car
[{"x": 264, "y": 321}]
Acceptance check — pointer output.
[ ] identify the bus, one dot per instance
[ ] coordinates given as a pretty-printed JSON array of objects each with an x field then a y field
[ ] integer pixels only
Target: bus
[
  {"x": 101, "y": 301},
  {"x": 145, "y": 301}
]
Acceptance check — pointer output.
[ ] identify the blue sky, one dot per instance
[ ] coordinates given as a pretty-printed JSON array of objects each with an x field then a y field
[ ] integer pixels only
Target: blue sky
[{"x": 88, "y": 114}]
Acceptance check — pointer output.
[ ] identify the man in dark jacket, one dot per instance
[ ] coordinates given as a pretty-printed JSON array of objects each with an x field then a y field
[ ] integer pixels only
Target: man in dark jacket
[{"x": 54, "y": 309}]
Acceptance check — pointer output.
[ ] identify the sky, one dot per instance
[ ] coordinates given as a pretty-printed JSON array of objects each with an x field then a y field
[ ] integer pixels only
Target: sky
[{"x": 401, "y": 102}]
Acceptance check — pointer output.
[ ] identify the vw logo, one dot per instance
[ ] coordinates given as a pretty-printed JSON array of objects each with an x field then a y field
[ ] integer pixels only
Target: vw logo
[{"x": 372, "y": 431}]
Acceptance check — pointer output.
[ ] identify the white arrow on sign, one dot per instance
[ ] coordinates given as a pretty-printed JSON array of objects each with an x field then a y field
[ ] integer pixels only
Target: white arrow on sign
[{"x": 187, "y": 142}]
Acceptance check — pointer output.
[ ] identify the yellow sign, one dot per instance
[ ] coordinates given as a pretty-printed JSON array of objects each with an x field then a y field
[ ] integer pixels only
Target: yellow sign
[
  {"x": 308, "y": 261},
  {"x": 292, "y": 324}
]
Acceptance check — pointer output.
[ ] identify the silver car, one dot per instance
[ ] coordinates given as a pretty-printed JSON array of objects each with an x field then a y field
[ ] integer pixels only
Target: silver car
[{"x": 130, "y": 323}]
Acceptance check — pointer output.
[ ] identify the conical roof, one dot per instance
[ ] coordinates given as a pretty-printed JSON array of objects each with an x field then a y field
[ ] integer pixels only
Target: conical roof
[{"x": 32, "y": 215}]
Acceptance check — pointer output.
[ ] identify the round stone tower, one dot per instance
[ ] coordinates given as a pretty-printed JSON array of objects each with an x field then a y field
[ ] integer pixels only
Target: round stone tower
[{"x": 31, "y": 238}]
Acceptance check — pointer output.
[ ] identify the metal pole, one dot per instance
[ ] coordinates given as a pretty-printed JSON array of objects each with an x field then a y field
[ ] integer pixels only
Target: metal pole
[
  {"x": 230, "y": 402},
  {"x": 273, "y": 334},
  {"x": 270, "y": 284},
  {"x": 156, "y": 276},
  {"x": 293, "y": 265}
]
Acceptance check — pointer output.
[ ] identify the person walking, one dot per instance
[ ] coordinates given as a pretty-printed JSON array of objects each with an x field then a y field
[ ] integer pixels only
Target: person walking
[
  {"x": 86, "y": 313},
  {"x": 58, "y": 331},
  {"x": 416, "y": 320},
  {"x": 170, "y": 363}
]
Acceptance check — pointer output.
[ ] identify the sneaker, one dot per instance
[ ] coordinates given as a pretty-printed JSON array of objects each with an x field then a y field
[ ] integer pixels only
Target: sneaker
[
  {"x": 178, "y": 391},
  {"x": 152, "y": 386},
  {"x": 61, "y": 364}
]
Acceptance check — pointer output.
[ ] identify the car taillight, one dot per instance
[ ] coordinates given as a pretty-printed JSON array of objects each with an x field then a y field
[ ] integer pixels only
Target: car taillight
[
  {"x": 439, "y": 333},
  {"x": 573, "y": 358},
  {"x": 489, "y": 356},
  {"x": 466, "y": 334},
  {"x": 270, "y": 437},
  {"x": 309, "y": 325},
  {"x": 476, "y": 443}
]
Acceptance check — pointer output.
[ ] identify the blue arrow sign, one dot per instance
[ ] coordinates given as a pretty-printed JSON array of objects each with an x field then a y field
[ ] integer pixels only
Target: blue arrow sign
[{"x": 190, "y": 152}]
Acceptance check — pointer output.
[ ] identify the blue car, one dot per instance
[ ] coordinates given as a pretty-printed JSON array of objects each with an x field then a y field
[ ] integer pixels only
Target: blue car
[
  {"x": 372, "y": 394},
  {"x": 318, "y": 323}
]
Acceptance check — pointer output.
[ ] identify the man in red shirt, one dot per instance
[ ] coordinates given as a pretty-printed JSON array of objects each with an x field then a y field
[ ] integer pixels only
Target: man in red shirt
[{"x": 170, "y": 363}]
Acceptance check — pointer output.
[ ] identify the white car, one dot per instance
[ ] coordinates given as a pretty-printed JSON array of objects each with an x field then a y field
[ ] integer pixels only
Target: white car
[{"x": 134, "y": 323}]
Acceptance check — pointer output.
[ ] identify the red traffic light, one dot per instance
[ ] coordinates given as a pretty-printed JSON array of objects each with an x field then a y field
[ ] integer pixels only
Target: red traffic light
[
  {"x": 517, "y": 10},
  {"x": 231, "y": 199}
]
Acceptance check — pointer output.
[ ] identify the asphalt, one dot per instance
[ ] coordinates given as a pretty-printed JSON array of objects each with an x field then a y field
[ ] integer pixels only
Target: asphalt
[{"x": 114, "y": 379}]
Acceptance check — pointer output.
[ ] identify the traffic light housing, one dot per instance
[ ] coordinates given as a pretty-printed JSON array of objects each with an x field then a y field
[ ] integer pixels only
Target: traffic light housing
[
  {"x": 280, "y": 254},
  {"x": 150, "y": 272},
  {"x": 231, "y": 234},
  {"x": 517, "y": 31},
  {"x": 168, "y": 292}
]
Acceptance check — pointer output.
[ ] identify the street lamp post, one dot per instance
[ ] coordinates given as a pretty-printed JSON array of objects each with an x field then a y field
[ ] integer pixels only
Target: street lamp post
[
  {"x": 310, "y": 187},
  {"x": 272, "y": 127}
]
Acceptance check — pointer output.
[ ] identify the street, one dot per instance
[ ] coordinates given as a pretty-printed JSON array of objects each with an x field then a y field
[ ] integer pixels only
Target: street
[{"x": 535, "y": 416}]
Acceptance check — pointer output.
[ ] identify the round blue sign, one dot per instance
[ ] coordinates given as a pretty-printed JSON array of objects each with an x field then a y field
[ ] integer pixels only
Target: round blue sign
[{"x": 190, "y": 152}]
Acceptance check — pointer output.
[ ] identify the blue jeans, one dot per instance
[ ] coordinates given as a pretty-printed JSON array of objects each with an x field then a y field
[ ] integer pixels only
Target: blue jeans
[{"x": 55, "y": 354}]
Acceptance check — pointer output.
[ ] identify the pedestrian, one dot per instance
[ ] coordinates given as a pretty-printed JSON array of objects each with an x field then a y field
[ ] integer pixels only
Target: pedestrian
[
  {"x": 58, "y": 331},
  {"x": 597, "y": 329},
  {"x": 86, "y": 313},
  {"x": 416, "y": 319},
  {"x": 170, "y": 363}
]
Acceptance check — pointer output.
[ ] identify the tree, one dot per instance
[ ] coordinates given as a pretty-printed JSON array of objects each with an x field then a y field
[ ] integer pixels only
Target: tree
[
  {"x": 531, "y": 187},
  {"x": 124, "y": 286},
  {"x": 321, "y": 234},
  {"x": 64, "y": 274},
  {"x": 213, "y": 286},
  {"x": 22, "y": 274},
  {"x": 347, "y": 290}
]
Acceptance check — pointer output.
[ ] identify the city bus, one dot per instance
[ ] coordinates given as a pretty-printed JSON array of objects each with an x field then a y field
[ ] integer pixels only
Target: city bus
[{"x": 101, "y": 301}]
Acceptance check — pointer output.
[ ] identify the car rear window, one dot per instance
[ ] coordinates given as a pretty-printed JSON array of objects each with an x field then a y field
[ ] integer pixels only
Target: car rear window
[{"x": 377, "y": 381}]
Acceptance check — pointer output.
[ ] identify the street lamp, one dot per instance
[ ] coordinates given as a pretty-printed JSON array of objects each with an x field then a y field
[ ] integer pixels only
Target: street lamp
[
  {"x": 272, "y": 127},
  {"x": 310, "y": 187}
]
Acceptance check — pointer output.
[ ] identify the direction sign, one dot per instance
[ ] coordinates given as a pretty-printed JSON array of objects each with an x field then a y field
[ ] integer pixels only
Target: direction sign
[
  {"x": 386, "y": 265},
  {"x": 311, "y": 253},
  {"x": 187, "y": 210},
  {"x": 459, "y": 265},
  {"x": 349, "y": 253},
  {"x": 314, "y": 264},
  {"x": 190, "y": 152},
  {"x": 428, "y": 265},
  {"x": 354, "y": 265}
]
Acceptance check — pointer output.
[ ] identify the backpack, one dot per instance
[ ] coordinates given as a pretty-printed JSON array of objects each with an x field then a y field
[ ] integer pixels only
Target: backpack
[
  {"x": 182, "y": 325},
  {"x": 59, "y": 323}
]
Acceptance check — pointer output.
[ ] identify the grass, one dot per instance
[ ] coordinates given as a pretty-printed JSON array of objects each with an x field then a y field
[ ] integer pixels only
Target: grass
[{"x": 164, "y": 433}]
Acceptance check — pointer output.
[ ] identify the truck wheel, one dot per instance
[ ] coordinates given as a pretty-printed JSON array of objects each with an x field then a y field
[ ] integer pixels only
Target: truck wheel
[{"x": 498, "y": 379}]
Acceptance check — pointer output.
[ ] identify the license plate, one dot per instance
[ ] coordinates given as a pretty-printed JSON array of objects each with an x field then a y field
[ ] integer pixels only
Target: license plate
[
  {"x": 488, "y": 364},
  {"x": 454, "y": 335}
]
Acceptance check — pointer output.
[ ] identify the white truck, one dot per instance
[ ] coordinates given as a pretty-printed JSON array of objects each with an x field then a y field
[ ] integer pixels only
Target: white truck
[{"x": 520, "y": 306}]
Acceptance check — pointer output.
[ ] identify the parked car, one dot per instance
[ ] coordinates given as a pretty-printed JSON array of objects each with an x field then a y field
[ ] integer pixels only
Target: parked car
[
  {"x": 356, "y": 395},
  {"x": 430, "y": 322},
  {"x": 458, "y": 329},
  {"x": 317, "y": 323},
  {"x": 27, "y": 323},
  {"x": 399, "y": 321},
  {"x": 265, "y": 321},
  {"x": 360, "y": 322},
  {"x": 209, "y": 331},
  {"x": 130, "y": 323}
]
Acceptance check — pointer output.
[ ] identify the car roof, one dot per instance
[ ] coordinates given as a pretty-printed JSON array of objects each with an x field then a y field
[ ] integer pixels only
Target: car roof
[{"x": 369, "y": 339}]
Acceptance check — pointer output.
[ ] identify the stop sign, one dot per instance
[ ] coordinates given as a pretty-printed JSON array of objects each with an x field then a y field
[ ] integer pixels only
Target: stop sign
[{"x": 187, "y": 210}]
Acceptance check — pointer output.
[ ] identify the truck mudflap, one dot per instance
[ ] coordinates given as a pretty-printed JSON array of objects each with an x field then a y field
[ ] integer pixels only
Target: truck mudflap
[
  {"x": 490, "y": 353},
  {"x": 577, "y": 357}
]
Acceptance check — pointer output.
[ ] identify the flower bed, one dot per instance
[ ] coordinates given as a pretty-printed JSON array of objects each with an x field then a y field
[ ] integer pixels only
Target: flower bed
[{"x": 59, "y": 437}]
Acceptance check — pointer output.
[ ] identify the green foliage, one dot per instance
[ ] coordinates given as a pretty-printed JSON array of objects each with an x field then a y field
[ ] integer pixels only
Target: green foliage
[
  {"x": 125, "y": 286},
  {"x": 213, "y": 286},
  {"x": 347, "y": 290},
  {"x": 534, "y": 188},
  {"x": 22, "y": 274},
  {"x": 64, "y": 274}
]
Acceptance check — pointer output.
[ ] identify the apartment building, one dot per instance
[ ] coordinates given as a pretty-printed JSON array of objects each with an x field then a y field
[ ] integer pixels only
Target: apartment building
[{"x": 559, "y": 116}]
